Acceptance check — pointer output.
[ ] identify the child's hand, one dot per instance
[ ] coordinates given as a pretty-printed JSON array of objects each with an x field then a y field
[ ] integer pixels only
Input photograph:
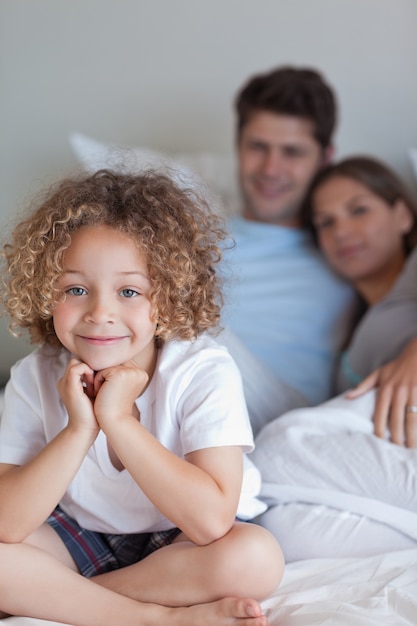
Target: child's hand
[
  {"x": 76, "y": 389},
  {"x": 116, "y": 390}
]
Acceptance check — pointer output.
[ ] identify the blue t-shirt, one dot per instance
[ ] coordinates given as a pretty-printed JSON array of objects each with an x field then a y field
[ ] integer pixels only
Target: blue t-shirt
[{"x": 286, "y": 305}]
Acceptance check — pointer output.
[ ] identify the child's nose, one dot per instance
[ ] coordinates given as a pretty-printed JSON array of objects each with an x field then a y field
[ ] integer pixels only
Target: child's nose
[{"x": 99, "y": 311}]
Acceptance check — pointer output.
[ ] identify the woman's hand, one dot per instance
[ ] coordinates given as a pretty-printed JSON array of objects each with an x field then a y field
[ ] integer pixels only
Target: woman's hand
[{"x": 396, "y": 397}]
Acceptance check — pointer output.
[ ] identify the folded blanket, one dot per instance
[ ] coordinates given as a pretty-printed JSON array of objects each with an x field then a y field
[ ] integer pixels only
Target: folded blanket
[{"x": 328, "y": 456}]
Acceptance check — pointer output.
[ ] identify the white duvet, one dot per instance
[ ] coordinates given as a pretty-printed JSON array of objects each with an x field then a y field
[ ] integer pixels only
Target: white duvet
[{"x": 334, "y": 489}]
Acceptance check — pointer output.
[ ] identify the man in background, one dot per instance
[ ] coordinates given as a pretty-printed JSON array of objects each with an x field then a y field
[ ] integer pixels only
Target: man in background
[{"x": 286, "y": 314}]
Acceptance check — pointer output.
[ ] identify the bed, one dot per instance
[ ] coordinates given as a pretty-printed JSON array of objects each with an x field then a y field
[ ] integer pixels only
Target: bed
[{"x": 332, "y": 590}]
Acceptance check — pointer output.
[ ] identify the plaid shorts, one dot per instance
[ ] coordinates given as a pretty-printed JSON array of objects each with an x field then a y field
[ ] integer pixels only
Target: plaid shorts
[{"x": 97, "y": 553}]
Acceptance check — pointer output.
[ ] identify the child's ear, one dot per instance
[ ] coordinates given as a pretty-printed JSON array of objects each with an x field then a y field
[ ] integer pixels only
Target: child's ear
[{"x": 405, "y": 218}]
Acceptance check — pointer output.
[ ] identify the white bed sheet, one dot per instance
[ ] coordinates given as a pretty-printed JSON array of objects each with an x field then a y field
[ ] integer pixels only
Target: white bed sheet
[
  {"x": 370, "y": 591},
  {"x": 334, "y": 489}
]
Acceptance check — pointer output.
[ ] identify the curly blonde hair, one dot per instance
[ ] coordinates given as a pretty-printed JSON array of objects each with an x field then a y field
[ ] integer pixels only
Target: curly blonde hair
[{"x": 173, "y": 227}]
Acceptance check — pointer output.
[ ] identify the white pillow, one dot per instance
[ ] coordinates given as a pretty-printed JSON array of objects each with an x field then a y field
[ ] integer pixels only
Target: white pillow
[
  {"x": 413, "y": 158},
  {"x": 203, "y": 169}
]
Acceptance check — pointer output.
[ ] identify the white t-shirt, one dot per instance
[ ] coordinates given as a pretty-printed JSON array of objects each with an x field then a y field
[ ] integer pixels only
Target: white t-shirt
[{"x": 194, "y": 400}]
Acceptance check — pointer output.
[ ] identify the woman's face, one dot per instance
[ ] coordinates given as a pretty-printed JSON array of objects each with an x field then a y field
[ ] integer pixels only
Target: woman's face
[{"x": 360, "y": 234}]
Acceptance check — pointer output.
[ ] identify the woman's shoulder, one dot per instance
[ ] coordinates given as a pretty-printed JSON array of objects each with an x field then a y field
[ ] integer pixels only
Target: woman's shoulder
[{"x": 406, "y": 284}]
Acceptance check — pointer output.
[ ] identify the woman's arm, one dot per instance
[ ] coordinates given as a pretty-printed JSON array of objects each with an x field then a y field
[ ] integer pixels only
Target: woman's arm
[{"x": 396, "y": 397}]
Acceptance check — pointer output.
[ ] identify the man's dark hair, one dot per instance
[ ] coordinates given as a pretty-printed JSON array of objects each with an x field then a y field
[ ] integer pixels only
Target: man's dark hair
[{"x": 300, "y": 92}]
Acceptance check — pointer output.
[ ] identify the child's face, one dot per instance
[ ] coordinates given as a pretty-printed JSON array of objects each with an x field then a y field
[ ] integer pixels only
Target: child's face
[{"x": 106, "y": 317}]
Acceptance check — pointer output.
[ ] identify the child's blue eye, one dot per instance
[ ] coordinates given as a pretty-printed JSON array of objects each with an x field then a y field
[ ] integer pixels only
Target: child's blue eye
[
  {"x": 129, "y": 293},
  {"x": 76, "y": 291}
]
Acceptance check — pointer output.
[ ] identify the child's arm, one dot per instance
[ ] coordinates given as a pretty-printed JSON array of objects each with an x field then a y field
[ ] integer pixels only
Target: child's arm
[
  {"x": 200, "y": 495},
  {"x": 29, "y": 493}
]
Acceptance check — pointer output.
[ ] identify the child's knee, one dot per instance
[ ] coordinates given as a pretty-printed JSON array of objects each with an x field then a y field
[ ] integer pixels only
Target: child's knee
[
  {"x": 262, "y": 552},
  {"x": 253, "y": 557}
]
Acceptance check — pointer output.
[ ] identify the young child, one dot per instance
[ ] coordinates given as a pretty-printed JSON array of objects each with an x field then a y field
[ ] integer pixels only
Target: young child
[{"x": 122, "y": 437}]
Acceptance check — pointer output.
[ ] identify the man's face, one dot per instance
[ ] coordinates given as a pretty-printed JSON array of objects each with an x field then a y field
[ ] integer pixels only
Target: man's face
[{"x": 278, "y": 156}]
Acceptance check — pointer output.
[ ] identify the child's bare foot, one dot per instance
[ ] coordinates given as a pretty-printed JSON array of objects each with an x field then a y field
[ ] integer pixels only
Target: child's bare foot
[{"x": 225, "y": 612}]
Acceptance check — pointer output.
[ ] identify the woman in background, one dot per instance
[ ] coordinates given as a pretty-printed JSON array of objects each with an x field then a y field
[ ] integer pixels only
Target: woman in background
[{"x": 364, "y": 220}]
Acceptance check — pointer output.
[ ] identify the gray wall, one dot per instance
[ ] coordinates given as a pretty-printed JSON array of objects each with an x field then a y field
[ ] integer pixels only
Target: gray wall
[{"x": 163, "y": 73}]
